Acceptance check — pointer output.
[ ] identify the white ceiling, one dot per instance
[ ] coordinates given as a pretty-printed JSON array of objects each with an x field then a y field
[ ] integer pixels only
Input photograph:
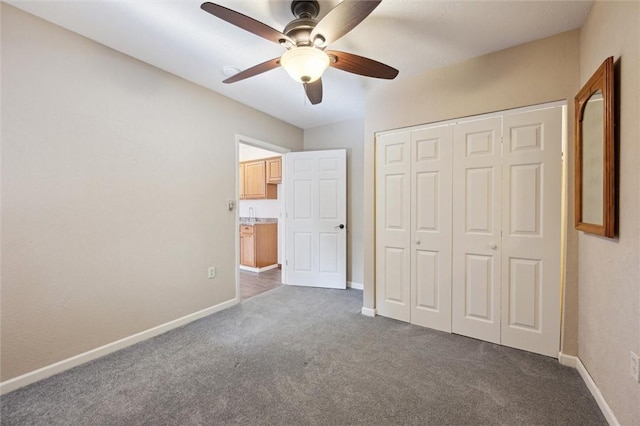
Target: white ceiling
[
  {"x": 410, "y": 35},
  {"x": 249, "y": 152}
]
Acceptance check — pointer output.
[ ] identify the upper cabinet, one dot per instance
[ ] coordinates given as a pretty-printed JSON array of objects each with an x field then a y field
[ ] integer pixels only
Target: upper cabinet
[
  {"x": 241, "y": 181},
  {"x": 274, "y": 169},
  {"x": 258, "y": 179}
]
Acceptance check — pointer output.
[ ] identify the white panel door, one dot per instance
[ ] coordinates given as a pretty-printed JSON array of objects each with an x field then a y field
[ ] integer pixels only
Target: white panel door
[
  {"x": 476, "y": 229},
  {"x": 532, "y": 176},
  {"x": 431, "y": 227},
  {"x": 393, "y": 225},
  {"x": 316, "y": 213}
]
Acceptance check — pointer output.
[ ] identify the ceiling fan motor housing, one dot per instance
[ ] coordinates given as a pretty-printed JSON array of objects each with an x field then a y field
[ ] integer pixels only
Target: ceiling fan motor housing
[
  {"x": 305, "y": 8},
  {"x": 299, "y": 29}
]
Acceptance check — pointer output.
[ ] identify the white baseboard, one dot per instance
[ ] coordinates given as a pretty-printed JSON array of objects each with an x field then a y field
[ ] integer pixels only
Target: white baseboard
[
  {"x": 264, "y": 268},
  {"x": 74, "y": 361},
  {"x": 356, "y": 286},
  {"x": 575, "y": 362},
  {"x": 368, "y": 312},
  {"x": 568, "y": 360}
]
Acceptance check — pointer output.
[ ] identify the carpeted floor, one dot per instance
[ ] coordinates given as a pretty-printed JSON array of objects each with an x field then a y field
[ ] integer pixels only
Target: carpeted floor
[{"x": 298, "y": 356}]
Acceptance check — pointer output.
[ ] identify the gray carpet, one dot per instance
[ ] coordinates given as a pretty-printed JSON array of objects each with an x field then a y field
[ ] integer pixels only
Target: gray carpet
[{"x": 300, "y": 356}]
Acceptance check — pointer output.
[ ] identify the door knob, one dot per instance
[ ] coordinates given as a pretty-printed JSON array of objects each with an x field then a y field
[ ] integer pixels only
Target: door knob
[
  {"x": 341, "y": 226},
  {"x": 493, "y": 246},
  {"x": 418, "y": 242}
]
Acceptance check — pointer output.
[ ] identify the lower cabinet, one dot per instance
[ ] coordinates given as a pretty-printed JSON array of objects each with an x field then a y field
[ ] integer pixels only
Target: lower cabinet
[{"x": 259, "y": 245}]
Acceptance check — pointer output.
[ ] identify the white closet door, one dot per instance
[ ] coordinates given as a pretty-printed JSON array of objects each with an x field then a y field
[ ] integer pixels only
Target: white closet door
[
  {"x": 393, "y": 225},
  {"x": 532, "y": 167},
  {"x": 476, "y": 229},
  {"x": 431, "y": 228}
]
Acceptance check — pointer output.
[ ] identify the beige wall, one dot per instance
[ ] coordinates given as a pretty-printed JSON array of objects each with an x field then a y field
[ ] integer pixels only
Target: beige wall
[
  {"x": 538, "y": 72},
  {"x": 115, "y": 181},
  {"x": 349, "y": 135},
  {"x": 609, "y": 269}
]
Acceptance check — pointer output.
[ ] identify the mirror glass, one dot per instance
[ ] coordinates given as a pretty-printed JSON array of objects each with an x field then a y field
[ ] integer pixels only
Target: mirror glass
[{"x": 593, "y": 159}]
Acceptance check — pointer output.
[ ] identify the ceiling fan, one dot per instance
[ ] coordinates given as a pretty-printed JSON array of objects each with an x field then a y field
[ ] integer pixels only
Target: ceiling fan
[{"x": 306, "y": 39}]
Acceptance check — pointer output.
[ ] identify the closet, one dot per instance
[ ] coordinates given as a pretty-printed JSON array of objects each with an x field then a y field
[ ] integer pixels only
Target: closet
[{"x": 468, "y": 226}]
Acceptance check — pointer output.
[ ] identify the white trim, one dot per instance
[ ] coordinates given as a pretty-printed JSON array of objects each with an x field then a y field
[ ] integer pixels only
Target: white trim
[
  {"x": 264, "y": 268},
  {"x": 246, "y": 140},
  {"x": 355, "y": 286},
  {"x": 483, "y": 116},
  {"x": 568, "y": 360},
  {"x": 74, "y": 361},
  {"x": 575, "y": 362},
  {"x": 368, "y": 312}
]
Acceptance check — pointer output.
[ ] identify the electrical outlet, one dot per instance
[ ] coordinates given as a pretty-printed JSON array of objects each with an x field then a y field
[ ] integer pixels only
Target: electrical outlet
[
  {"x": 212, "y": 272},
  {"x": 635, "y": 367}
]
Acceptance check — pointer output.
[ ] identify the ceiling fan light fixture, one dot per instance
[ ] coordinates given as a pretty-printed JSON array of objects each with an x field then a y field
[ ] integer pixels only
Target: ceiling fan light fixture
[{"x": 305, "y": 64}]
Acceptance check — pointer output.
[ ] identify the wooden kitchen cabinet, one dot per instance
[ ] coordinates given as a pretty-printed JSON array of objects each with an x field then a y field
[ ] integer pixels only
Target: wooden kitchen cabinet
[
  {"x": 253, "y": 181},
  {"x": 259, "y": 245},
  {"x": 241, "y": 180},
  {"x": 247, "y": 246},
  {"x": 274, "y": 169}
]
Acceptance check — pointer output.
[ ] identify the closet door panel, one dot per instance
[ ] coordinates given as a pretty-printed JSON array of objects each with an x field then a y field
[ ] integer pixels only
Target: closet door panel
[
  {"x": 532, "y": 168},
  {"x": 393, "y": 225},
  {"x": 479, "y": 287},
  {"x": 431, "y": 227},
  {"x": 476, "y": 229},
  {"x": 479, "y": 192}
]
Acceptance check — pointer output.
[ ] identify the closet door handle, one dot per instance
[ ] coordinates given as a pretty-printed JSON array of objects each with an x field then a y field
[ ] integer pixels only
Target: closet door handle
[
  {"x": 493, "y": 246},
  {"x": 418, "y": 242}
]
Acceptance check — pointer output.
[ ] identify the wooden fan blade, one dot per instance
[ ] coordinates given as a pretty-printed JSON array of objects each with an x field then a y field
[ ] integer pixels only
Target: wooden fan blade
[
  {"x": 314, "y": 91},
  {"x": 246, "y": 23},
  {"x": 361, "y": 65},
  {"x": 255, "y": 70},
  {"x": 342, "y": 19}
]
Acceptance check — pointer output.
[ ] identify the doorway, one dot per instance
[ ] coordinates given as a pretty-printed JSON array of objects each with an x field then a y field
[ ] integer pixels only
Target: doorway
[{"x": 259, "y": 217}]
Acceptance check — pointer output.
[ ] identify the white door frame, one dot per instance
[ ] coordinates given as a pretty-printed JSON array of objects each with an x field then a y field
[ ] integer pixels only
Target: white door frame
[{"x": 246, "y": 140}]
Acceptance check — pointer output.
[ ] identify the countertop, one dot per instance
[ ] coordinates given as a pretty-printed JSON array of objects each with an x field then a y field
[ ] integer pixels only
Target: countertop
[{"x": 257, "y": 220}]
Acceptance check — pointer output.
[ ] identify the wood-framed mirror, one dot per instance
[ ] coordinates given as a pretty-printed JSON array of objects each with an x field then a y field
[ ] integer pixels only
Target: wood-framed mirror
[{"x": 595, "y": 168}]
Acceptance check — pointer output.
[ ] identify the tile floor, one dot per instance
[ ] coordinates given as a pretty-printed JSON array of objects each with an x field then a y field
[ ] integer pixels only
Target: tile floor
[{"x": 254, "y": 283}]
